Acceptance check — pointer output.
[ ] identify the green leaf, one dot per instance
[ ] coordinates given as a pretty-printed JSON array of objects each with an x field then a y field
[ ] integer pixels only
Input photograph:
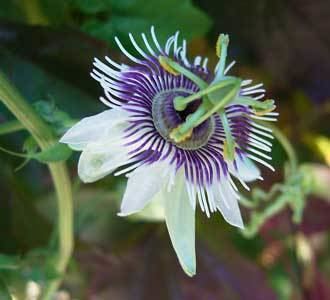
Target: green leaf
[
  {"x": 57, "y": 12},
  {"x": 92, "y": 6},
  {"x": 11, "y": 10},
  {"x": 38, "y": 265},
  {"x": 137, "y": 16},
  {"x": 74, "y": 101},
  {"x": 8, "y": 262},
  {"x": 10, "y": 127},
  {"x": 30, "y": 145},
  {"x": 35, "y": 11},
  {"x": 57, "y": 152},
  {"x": 4, "y": 292},
  {"x": 93, "y": 223},
  {"x": 59, "y": 120}
]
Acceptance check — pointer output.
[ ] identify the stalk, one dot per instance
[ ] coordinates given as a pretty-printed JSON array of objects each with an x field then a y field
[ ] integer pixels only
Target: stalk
[
  {"x": 10, "y": 127},
  {"x": 45, "y": 138}
]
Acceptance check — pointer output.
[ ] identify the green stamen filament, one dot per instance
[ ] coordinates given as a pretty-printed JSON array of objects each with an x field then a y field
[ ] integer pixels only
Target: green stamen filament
[
  {"x": 205, "y": 111},
  {"x": 229, "y": 144},
  {"x": 180, "y": 133},
  {"x": 214, "y": 96},
  {"x": 221, "y": 46},
  {"x": 175, "y": 68},
  {"x": 222, "y": 103},
  {"x": 180, "y": 103},
  {"x": 260, "y": 107}
]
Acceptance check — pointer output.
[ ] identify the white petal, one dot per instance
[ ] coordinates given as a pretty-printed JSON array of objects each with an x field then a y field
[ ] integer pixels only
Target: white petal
[
  {"x": 143, "y": 184},
  {"x": 246, "y": 169},
  {"x": 99, "y": 160},
  {"x": 180, "y": 221},
  {"x": 154, "y": 211},
  {"x": 226, "y": 201},
  {"x": 94, "y": 128}
]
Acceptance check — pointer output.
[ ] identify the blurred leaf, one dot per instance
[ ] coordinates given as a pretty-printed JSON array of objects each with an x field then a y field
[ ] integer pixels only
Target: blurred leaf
[
  {"x": 9, "y": 262},
  {"x": 280, "y": 281},
  {"x": 45, "y": 84},
  {"x": 96, "y": 219},
  {"x": 41, "y": 12},
  {"x": 92, "y": 7},
  {"x": 22, "y": 226},
  {"x": 11, "y": 10},
  {"x": 59, "y": 120},
  {"x": 30, "y": 145},
  {"x": 57, "y": 12},
  {"x": 4, "y": 292},
  {"x": 64, "y": 53},
  {"x": 10, "y": 127},
  {"x": 57, "y": 152},
  {"x": 317, "y": 178},
  {"x": 137, "y": 16},
  {"x": 322, "y": 144},
  {"x": 36, "y": 265}
]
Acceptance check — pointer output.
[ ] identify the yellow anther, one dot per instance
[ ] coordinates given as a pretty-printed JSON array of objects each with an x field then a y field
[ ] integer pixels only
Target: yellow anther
[
  {"x": 179, "y": 137},
  {"x": 228, "y": 151},
  {"x": 218, "y": 46},
  {"x": 223, "y": 39},
  {"x": 165, "y": 65}
]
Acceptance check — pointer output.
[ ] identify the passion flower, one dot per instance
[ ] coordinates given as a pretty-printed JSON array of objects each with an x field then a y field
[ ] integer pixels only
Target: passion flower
[{"x": 182, "y": 135}]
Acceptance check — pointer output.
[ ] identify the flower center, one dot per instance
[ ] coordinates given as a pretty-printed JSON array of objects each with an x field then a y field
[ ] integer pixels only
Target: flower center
[{"x": 166, "y": 118}]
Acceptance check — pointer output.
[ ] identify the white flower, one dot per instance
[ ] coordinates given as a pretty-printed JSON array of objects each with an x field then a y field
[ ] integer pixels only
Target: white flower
[{"x": 134, "y": 137}]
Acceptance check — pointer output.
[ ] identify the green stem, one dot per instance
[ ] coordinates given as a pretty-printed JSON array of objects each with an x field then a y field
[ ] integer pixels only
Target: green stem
[
  {"x": 287, "y": 147},
  {"x": 10, "y": 127},
  {"x": 45, "y": 138},
  {"x": 13, "y": 153}
]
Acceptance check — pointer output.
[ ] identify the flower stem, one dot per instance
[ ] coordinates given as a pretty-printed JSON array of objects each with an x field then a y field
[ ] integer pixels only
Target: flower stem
[
  {"x": 10, "y": 127},
  {"x": 45, "y": 138},
  {"x": 287, "y": 147}
]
